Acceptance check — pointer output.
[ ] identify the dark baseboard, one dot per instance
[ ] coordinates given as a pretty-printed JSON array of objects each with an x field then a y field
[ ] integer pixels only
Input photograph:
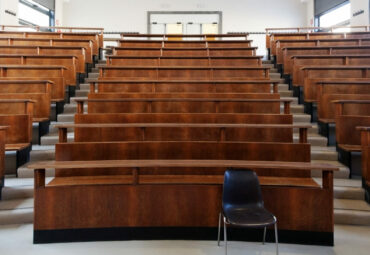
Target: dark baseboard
[
  {"x": 179, "y": 233},
  {"x": 23, "y": 156},
  {"x": 2, "y": 184},
  {"x": 71, "y": 91},
  {"x": 350, "y": 159},
  {"x": 298, "y": 92},
  {"x": 327, "y": 130},
  {"x": 367, "y": 191}
]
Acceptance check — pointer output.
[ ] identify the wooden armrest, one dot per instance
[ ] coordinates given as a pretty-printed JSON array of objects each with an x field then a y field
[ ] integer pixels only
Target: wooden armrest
[
  {"x": 16, "y": 146},
  {"x": 363, "y": 128},
  {"x": 39, "y": 119},
  {"x": 174, "y": 179},
  {"x": 349, "y": 147}
]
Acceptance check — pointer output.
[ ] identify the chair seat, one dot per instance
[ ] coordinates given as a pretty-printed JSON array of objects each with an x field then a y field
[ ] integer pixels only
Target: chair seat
[{"x": 249, "y": 217}]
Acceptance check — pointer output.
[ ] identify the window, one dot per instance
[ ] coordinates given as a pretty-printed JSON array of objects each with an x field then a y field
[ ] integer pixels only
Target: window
[
  {"x": 32, "y": 13},
  {"x": 339, "y": 16}
]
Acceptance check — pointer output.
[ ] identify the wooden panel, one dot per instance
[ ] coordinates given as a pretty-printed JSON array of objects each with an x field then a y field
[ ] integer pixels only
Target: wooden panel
[
  {"x": 183, "y": 86},
  {"x": 184, "y": 118},
  {"x": 54, "y": 74},
  {"x": 154, "y": 200},
  {"x": 345, "y": 125},
  {"x": 19, "y": 128},
  {"x": 181, "y": 150},
  {"x": 185, "y": 73},
  {"x": 314, "y": 75},
  {"x": 190, "y": 133},
  {"x": 42, "y": 105},
  {"x": 69, "y": 62},
  {"x": 334, "y": 50}
]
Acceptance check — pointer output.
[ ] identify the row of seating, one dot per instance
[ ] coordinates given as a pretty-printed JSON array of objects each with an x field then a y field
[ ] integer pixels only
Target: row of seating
[
  {"x": 329, "y": 72},
  {"x": 39, "y": 72},
  {"x": 154, "y": 135}
]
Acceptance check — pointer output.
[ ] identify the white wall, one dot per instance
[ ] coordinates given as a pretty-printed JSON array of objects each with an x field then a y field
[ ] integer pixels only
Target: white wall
[
  {"x": 362, "y": 19},
  {"x": 5, "y": 18},
  {"x": 310, "y": 13},
  {"x": 59, "y": 12},
  {"x": 356, "y": 5},
  {"x": 238, "y": 15},
  {"x": 131, "y": 15}
]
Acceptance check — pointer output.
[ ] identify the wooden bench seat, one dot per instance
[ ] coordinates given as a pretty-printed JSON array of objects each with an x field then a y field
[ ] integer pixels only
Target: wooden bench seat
[
  {"x": 184, "y": 73},
  {"x": 174, "y": 179},
  {"x": 180, "y": 44},
  {"x": 69, "y": 62},
  {"x": 247, "y": 86},
  {"x": 314, "y": 74},
  {"x": 281, "y": 44},
  {"x": 348, "y": 116},
  {"x": 183, "y": 61},
  {"x": 87, "y": 44},
  {"x": 156, "y": 190},
  {"x": 324, "y": 60},
  {"x": 79, "y": 52},
  {"x": 365, "y": 160},
  {"x": 272, "y": 38},
  {"x": 184, "y": 95},
  {"x": 96, "y": 38},
  {"x": 288, "y": 52},
  {"x": 178, "y": 52},
  {"x": 2, "y": 157},
  {"x": 181, "y": 105},
  {"x": 183, "y": 118},
  {"x": 38, "y": 91},
  {"x": 16, "y": 114},
  {"x": 339, "y": 89},
  {"x": 183, "y": 132},
  {"x": 56, "y": 74}
]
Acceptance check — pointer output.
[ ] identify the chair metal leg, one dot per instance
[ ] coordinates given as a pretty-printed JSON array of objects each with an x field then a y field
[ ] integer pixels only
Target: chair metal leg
[
  {"x": 225, "y": 236},
  {"x": 276, "y": 240},
  {"x": 219, "y": 229},
  {"x": 264, "y": 235}
]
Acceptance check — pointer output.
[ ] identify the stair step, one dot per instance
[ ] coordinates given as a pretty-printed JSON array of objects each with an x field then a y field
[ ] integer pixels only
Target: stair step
[
  {"x": 283, "y": 87},
  {"x": 351, "y": 217},
  {"x": 314, "y": 140},
  {"x": 318, "y": 154},
  {"x": 353, "y": 212},
  {"x": 16, "y": 192},
  {"x": 266, "y": 62},
  {"x": 275, "y": 75},
  {"x": 343, "y": 172},
  {"x": 37, "y": 155},
  {"x": 20, "y": 216},
  {"x": 85, "y": 86},
  {"x": 82, "y": 93},
  {"x": 301, "y": 118},
  {"x": 66, "y": 117},
  {"x": 24, "y": 172},
  {"x": 286, "y": 93},
  {"x": 93, "y": 75},
  {"x": 353, "y": 193},
  {"x": 15, "y": 204}
]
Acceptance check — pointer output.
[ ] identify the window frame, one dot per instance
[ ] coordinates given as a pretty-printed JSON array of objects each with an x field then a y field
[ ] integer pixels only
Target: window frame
[
  {"x": 343, "y": 23},
  {"x": 49, "y": 13}
]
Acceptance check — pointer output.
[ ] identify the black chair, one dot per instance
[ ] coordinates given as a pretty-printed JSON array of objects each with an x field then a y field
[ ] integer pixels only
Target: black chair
[{"x": 242, "y": 204}]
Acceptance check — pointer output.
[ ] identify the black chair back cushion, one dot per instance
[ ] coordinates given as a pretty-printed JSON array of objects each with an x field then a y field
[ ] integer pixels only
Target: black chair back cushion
[{"x": 241, "y": 189}]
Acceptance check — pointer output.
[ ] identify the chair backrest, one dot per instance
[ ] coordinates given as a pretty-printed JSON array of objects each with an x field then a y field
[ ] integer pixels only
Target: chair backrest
[{"x": 241, "y": 187}]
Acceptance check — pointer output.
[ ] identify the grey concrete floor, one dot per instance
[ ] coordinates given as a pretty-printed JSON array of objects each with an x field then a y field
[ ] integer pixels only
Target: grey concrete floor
[{"x": 17, "y": 239}]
